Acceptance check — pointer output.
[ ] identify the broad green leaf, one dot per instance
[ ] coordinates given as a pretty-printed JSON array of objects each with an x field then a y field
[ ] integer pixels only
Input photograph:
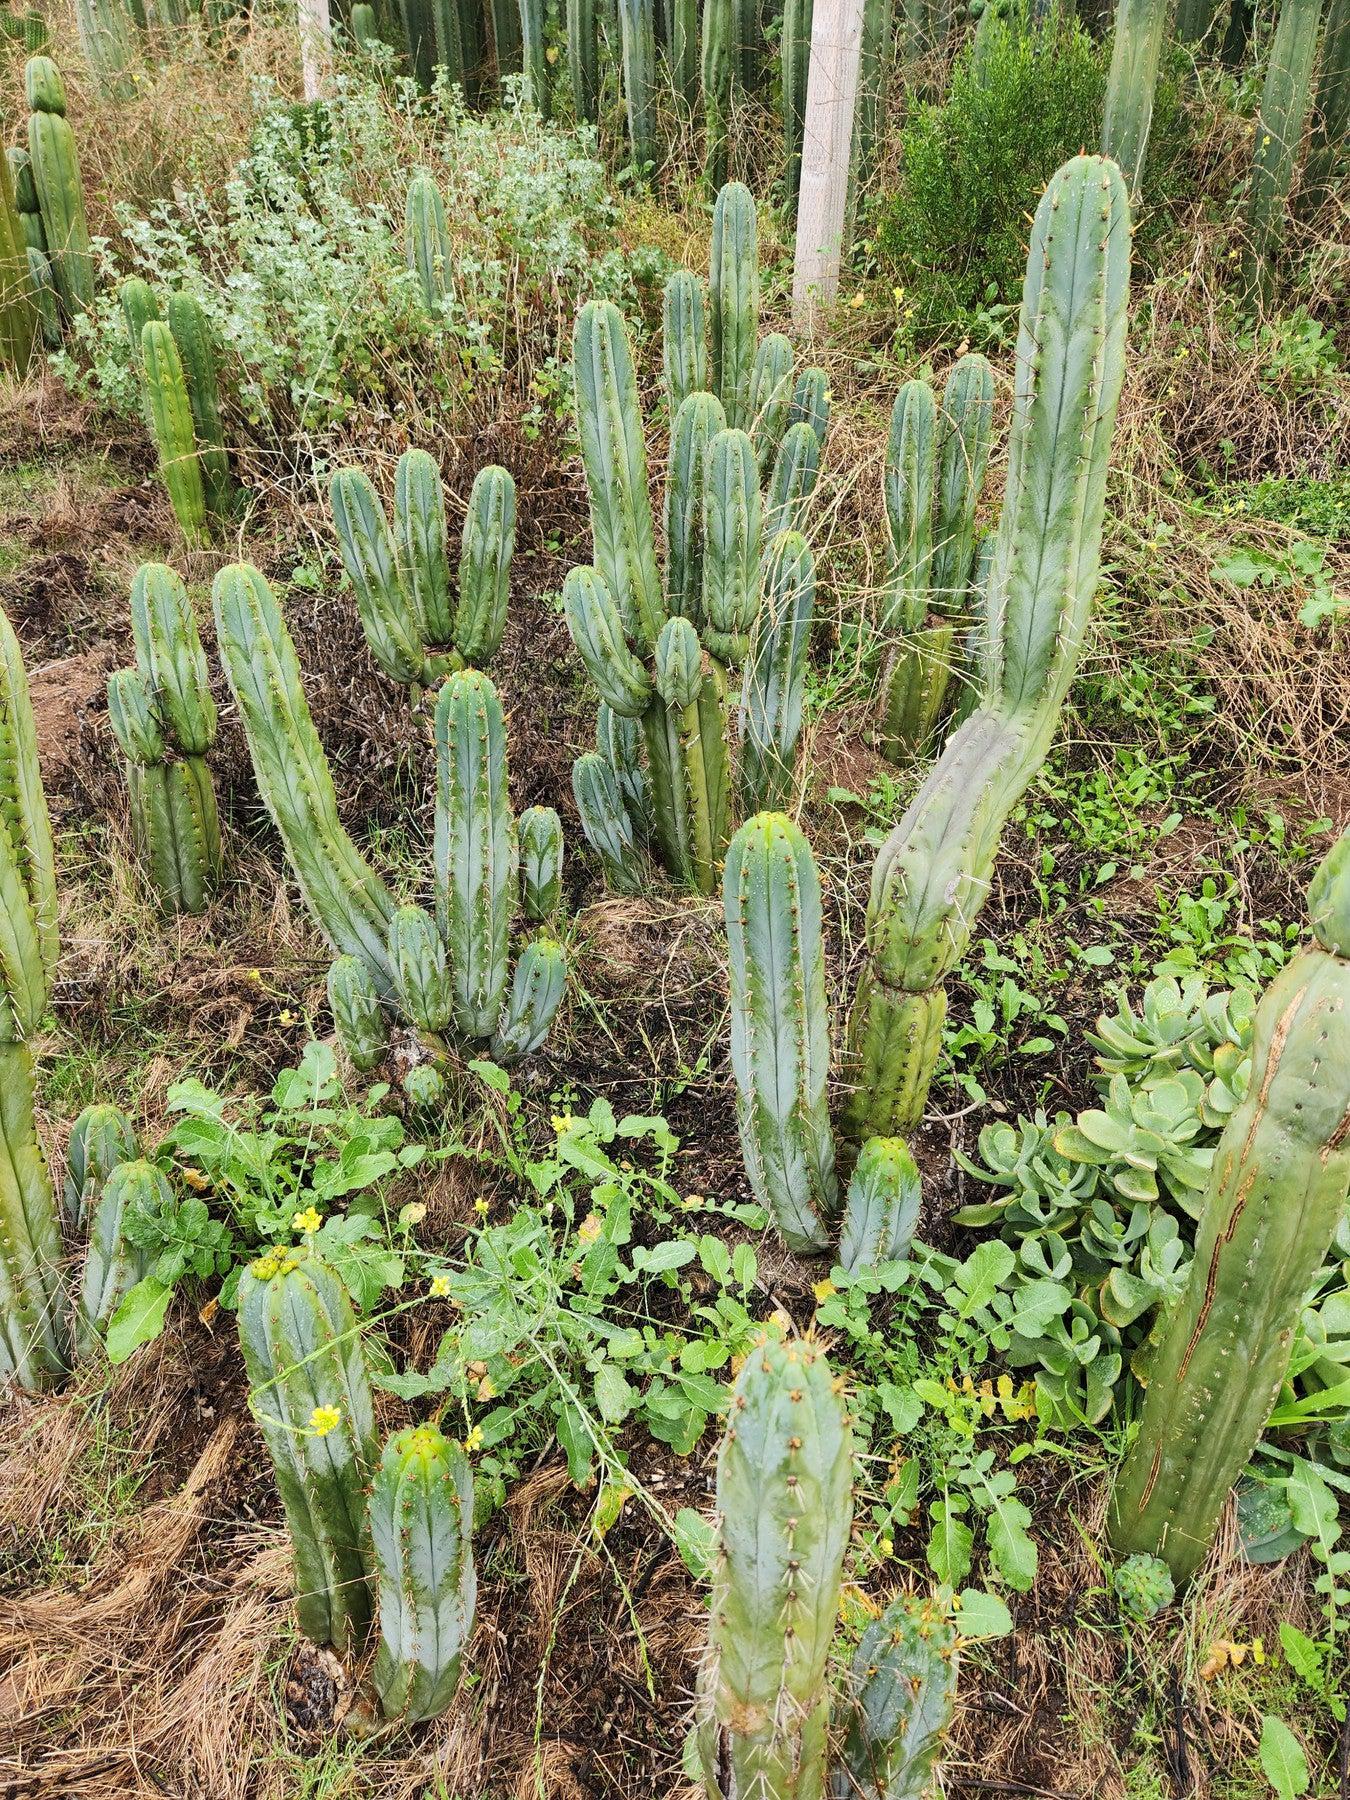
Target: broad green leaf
[
  {"x": 138, "y": 1319},
  {"x": 1282, "y": 1758}
]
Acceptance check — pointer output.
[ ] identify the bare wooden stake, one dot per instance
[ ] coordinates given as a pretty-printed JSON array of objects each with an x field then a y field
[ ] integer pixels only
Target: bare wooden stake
[
  {"x": 831, "y": 93},
  {"x": 316, "y": 43}
]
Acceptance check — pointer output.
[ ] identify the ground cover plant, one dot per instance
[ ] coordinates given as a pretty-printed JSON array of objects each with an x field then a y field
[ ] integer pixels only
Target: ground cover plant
[{"x": 673, "y": 995}]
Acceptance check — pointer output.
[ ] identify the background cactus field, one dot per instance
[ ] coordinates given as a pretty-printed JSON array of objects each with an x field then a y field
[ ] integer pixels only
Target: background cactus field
[{"x": 674, "y": 1067}]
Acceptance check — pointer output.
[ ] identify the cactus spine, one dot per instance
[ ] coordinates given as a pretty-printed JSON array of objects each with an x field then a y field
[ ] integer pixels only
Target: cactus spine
[
  {"x": 1135, "y": 50},
  {"x": 350, "y": 904},
  {"x": 1277, "y": 1191},
  {"x": 932, "y": 874},
  {"x": 897, "y": 1704},
  {"x": 170, "y": 412},
  {"x": 785, "y": 1507},
  {"x": 60, "y": 189},
  {"x": 32, "y": 1297},
  {"x": 421, "y": 1517},
  {"x": 311, "y": 1398},
  {"x": 165, "y": 704},
  {"x": 780, "y": 1037},
  {"x": 933, "y": 476},
  {"x": 426, "y": 243},
  {"x": 401, "y": 578},
  {"x": 18, "y": 306},
  {"x": 1279, "y": 129}
]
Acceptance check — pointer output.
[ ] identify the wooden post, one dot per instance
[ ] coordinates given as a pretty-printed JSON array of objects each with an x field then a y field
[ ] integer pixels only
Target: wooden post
[
  {"x": 827, "y": 140},
  {"x": 316, "y": 42}
]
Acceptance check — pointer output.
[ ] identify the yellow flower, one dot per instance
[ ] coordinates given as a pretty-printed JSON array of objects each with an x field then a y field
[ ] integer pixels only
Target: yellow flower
[
  {"x": 413, "y": 1213},
  {"x": 589, "y": 1229},
  {"x": 440, "y": 1287},
  {"x": 255, "y": 975},
  {"x": 856, "y": 302},
  {"x": 474, "y": 1441},
  {"x": 563, "y": 1122},
  {"x": 823, "y": 1289},
  {"x": 308, "y": 1220},
  {"x": 886, "y": 1546},
  {"x": 287, "y": 1017},
  {"x": 195, "y": 1180},
  {"x": 323, "y": 1419},
  {"x": 480, "y": 1205}
]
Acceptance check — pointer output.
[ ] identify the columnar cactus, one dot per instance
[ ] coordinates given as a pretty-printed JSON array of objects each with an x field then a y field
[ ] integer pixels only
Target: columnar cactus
[
  {"x": 637, "y": 26},
  {"x": 541, "y": 858},
  {"x": 426, "y": 243},
  {"x": 18, "y": 307},
  {"x": 101, "y": 1139},
  {"x": 358, "y": 1017},
  {"x": 874, "y": 65},
  {"x": 1331, "y": 105},
  {"x": 164, "y": 719},
  {"x": 34, "y": 235},
  {"x": 112, "y": 1266},
  {"x": 60, "y": 189},
  {"x": 682, "y": 17},
  {"x": 311, "y": 1397},
  {"x": 733, "y": 288},
  {"x": 716, "y": 72},
  {"x": 1135, "y": 50},
  {"x": 785, "y": 1507},
  {"x": 448, "y": 30},
  {"x": 170, "y": 411},
  {"x": 104, "y": 28},
  {"x": 538, "y": 83},
  {"x": 933, "y": 475},
  {"x": 881, "y": 1212},
  {"x": 683, "y": 339},
  {"x": 32, "y": 1298},
  {"x": 774, "y": 686},
  {"x": 897, "y": 1704},
  {"x": 606, "y": 821},
  {"x": 1277, "y": 1192},
  {"x": 583, "y": 59},
  {"x": 796, "y": 65},
  {"x": 197, "y": 353},
  {"x": 421, "y": 1519},
  {"x": 1279, "y": 131},
  {"x": 932, "y": 875},
  {"x": 419, "y": 625}
]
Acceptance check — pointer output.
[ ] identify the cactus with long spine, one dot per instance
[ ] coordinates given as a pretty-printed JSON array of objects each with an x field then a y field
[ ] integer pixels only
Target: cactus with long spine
[
  {"x": 426, "y": 243},
  {"x": 311, "y": 1397},
  {"x": 1277, "y": 1192},
  {"x": 421, "y": 1520},
  {"x": 419, "y": 625},
  {"x": 170, "y": 411},
  {"x": 1285, "y": 98},
  {"x": 897, "y": 1703},
  {"x": 33, "y": 1345},
  {"x": 785, "y": 1507},
  {"x": 18, "y": 306},
  {"x": 60, "y": 188},
  {"x": 112, "y": 1266},
  {"x": 164, "y": 705},
  {"x": 100, "y": 1139},
  {"x": 933, "y": 873},
  {"x": 933, "y": 474},
  {"x": 1136, "y": 47}
]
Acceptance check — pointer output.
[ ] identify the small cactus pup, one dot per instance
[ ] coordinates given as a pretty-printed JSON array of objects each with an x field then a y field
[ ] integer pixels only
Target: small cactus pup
[
  {"x": 1277, "y": 1192},
  {"x": 421, "y": 1520},
  {"x": 101, "y": 1139},
  {"x": 933, "y": 873},
  {"x": 785, "y": 1509},
  {"x": 113, "y": 1266},
  {"x": 164, "y": 719},
  {"x": 420, "y": 624},
  {"x": 59, "y": 186},
  {"x": 33, "y": 1343},
  {"x": 1144, "y": 1587},
  {"x": 935, "y": 464},
  {"x": 897, "y": 1703},
  {"x": 311, "y": 1397},
  {"x": 541, "y": 860},
  {"x": 881, "y": 1212},
  {"x": 358, "y": 1017}
]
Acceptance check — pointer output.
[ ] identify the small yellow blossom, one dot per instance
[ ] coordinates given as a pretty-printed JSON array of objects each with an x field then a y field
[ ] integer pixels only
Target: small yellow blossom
[
  {"x": 480, "y": 1206},
  {"x": 255, "y": 975},
  {"x": 886, "y": 1546},
  {"x": 308, "y": 1220},
  {"x": 286, "y": 1016},
  {"x": 563, "y": 1122},
  {"x": 323, "y": 1419},
  {"x": 474, "y": 1441},
  {"x": 692, "y": 1202},
  {"x": 413, "y": 1213},
  {"x": 856, "y": 302},
  {"x": 823, "y": 1289},
  {"x": 440, "y": 1287}
]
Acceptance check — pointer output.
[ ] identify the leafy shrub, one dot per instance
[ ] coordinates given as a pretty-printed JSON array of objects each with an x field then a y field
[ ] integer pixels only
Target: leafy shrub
[{"x": 953, "y": 237}]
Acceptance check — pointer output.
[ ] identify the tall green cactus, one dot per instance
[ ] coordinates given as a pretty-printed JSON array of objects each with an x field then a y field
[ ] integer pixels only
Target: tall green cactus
[
  {"x": 60, "y": 188},
  {"x": 876, "y": 53},
  {"x": 112, "y": 1265},
  {"x": 583, "y": 59},
  {"x": 418, "y": 628},
  {"x": 796, "y": 67},
  {"x": 733, "y": 314},
  {"x": 421, "y": 1519},
  {"x": 1277, "y": 1192},
  {"x": 538, "y": 81},
  {"x": 1327, "y": 148},
  {"x": 774, "y": 688},
  {"x": 105, "y": 28},
  {"x": 33, "y": 1344},
  {"x": 196, "y": 351},
  {"x": 1135, "y": 50},
  {"x": 42, "y": 284},
  {"x": 933, "y": 873},
  {"x": 170, "y": 411},
  {"x": 682, "y": 23},
  {"x": 164, "y": 704},
  {"x": 426, "y": 243},
  {"x": 933, "y": 474},
  {"x": 1285, "y": 98},
  {"x": 716, "y": 71},
  {"x": 637, "y": 26},
  {"x": 311, "y": 1397},
  {"x": 101, "y": 1139},
  {"x": 780, "y": 1037},
  {"x": 785, "y": 1507},
  {"x": 683, "y": 339},
  {"x": 898, "y": 1701},
  {"x": 18, "y": 306},
  {"x": 351, "y": 905}
]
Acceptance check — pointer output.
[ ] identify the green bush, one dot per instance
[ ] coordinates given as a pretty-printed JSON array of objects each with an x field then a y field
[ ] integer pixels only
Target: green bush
[{"x": 953, "y": 237}]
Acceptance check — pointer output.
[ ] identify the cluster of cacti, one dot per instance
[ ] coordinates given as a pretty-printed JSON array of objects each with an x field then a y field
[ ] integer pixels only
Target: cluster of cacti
[
  {"x": 33, "y": 1344},
  {"x": 935, "y": 464},
  {"x": 164, "y": 719},
  {"x": 420, "y": 626},
  {"x": 932, "y": 874},
  {"x": 1277, "y": 1193},
  {"x": 105, "y": 28},
  {"x": 29, "y": 29},
  {"x": 385, "y": 1540},
  {"x": 772, "y": 1726},
  {"x": 1285, "y": 98},
  {"x": 453, "y": 970},
  {"x": 58, "y": 187},
  {"x": 174, "y": 356},
  {"x": 664, "y": 651},
  {"x": 1135, "y": 51}
]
